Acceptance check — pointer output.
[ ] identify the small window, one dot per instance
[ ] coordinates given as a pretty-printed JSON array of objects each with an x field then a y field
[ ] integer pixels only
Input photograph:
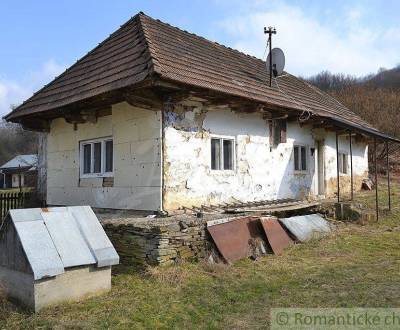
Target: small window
[
  {"x": 96, "y": 158},
  {"x": 300, "y": 158},
  {"x": 277, "y": 132},
  {"x": 222, "y": 154},
  {"x": 343, "y": 163}
]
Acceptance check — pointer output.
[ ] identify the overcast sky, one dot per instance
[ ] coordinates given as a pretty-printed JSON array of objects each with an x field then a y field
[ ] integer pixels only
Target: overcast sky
[{"x": 40, "y": 38}]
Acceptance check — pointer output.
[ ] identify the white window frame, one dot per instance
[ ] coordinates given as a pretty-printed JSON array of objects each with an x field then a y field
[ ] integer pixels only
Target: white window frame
[
  {"x": 221, "y": 155},
  {"x": 299, "y": 145},
  {"x": 341, "y": 167},
  {"x": 103, "y": 173}
]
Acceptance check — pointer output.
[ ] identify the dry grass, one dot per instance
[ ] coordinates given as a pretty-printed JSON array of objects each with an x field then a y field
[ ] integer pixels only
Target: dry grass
[
  {"x": 355, "y": 266},
  {"x": 171, "y": 276}
]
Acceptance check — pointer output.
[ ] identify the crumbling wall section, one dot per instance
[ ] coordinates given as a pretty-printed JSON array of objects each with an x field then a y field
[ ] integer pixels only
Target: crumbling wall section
[
  {"x": 261, "y": 171},
  {"x": 136, "y": 183}
]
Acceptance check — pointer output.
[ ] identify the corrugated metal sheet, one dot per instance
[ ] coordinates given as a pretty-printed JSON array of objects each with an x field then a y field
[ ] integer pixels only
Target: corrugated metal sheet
[
  {"x": 305, "y": 227},
  {"x": 67, "y": 239},
  {"x": 39, "y": 249}
]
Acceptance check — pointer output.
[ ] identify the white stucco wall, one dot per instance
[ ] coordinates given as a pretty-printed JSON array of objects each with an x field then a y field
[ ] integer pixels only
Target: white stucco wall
[
  {"x": 136, "y": 137},
  {"x": 15, "y": 180},
  {"x": 360, "y": 162},
  {"x": 261, "y": 172}
]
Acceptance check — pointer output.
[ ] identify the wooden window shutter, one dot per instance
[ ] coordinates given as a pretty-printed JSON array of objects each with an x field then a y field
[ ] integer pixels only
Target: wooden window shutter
[
  {"x": 283, "y": 128},
  {"x": 271, "y": 135},
  {"x": 277, "y": 131}
]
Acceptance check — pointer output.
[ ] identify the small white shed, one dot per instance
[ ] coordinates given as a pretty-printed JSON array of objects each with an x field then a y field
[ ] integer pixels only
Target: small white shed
[{"x": 52, "y": 255}]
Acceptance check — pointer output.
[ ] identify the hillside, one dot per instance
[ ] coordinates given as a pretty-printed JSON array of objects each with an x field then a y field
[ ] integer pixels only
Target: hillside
[
  {"x": 15, "y": 141},
  {"x": 376, "y": 98}
]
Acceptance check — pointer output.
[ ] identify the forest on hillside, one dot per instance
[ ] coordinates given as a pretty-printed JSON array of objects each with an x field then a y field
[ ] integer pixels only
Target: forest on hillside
[
  {"x": 376, "y": 98},
  {"x": 16, "y": 141}
]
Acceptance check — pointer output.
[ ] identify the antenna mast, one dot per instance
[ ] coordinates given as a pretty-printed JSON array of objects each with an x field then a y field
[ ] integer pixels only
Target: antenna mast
[{"x": 270, "y": 31}]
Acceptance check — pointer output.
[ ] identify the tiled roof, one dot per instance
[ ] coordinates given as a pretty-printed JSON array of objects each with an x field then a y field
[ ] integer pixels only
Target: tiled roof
[{"x": 144, "y": 47}]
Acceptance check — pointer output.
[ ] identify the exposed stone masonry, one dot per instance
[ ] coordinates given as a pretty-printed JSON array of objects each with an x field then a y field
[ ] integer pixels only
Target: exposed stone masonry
[{"x": 158, "y": 241}]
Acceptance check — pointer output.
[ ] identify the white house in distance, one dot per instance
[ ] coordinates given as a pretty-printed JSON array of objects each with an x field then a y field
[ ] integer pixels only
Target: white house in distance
[
  {"x": 20, "y": 171},
  {"x": 156, "y": 118}
]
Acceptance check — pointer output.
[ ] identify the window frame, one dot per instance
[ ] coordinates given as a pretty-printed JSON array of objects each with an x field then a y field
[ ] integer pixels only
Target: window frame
[
  {"x": 299, "y": 145},
  {"x": 102, "y": 173},
  {"x": 341, "y": 162},
  {"x": 221, "y": 155}
]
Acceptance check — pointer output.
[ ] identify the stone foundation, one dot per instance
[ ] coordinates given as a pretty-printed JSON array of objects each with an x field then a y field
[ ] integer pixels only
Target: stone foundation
[{"x": 158, "y": 241}]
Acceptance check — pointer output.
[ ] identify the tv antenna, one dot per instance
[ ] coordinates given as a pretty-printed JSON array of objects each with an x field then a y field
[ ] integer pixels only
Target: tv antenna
[{"x": 270, "y": 31}]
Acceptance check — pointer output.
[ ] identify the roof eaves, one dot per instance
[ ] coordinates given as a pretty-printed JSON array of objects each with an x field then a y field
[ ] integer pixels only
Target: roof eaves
[{"x": 14, "y": 113}]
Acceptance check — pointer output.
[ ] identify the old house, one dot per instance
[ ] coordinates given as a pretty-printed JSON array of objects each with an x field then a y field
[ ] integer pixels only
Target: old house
[
  {"x": 21, "y": 171},
  {"x": 157, "y": 118}
]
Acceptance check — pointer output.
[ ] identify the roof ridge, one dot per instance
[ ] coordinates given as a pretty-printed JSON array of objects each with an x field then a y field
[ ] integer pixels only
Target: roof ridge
[
  {"x": 201, "y": 37},
  {"x": 154, "y": 65}
]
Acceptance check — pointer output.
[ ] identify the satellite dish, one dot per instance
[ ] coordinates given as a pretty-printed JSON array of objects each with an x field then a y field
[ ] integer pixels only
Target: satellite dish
[{"x": 278, "y": 61}]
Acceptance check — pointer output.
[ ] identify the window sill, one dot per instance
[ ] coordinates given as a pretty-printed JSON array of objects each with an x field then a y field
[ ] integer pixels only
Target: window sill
[
  {"x": 301, "y": 173},
  {"x": 223, "y": 172},
  {"x": 96, "y": 176}
]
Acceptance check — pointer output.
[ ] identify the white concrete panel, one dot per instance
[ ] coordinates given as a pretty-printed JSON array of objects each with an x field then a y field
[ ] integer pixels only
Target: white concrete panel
[
  {"x": 130, "y": 151},
  {"x": 146, "y": 175},
  {"x": 102, "y": 128},
  {"x": 62, "y": 177},
  {"x": 149, "y": 127},
  {"x": 72, "y": 247},
  {"x": 97, "y": 240},
  {"x": 39, "y": 249},
  {"x": 146, "y": 151},
  {"x": 125, "y": 132}
]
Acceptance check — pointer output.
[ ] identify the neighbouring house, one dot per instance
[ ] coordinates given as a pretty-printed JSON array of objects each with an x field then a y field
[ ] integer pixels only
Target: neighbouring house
[
  {"x": 157, "y": 118},
  {"x": 21, "y": 171}
]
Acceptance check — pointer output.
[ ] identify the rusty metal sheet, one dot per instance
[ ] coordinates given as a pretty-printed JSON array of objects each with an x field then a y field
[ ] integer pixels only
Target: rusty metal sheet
[
  {"x": 238, "y": 238},
  {"x": 277, "y": 237}
]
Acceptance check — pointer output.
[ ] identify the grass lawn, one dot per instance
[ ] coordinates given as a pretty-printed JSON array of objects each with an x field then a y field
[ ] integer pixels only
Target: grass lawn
[
  {"x": 15, "y": 190},
  {"x": 355, "y": 266}
]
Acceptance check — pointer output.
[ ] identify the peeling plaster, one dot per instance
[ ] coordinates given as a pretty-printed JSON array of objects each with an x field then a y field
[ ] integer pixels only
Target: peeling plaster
[{"x": 262, "y": 172}]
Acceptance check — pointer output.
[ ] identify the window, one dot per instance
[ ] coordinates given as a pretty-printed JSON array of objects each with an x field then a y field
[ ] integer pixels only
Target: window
[
  {"x": 96, "y": 158},
  {"x": 277, "y": 131},
  {"x": 343, "y": 163},
  {"x": 300, "y": 158},
  {"x": 222, "y": 153}
]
